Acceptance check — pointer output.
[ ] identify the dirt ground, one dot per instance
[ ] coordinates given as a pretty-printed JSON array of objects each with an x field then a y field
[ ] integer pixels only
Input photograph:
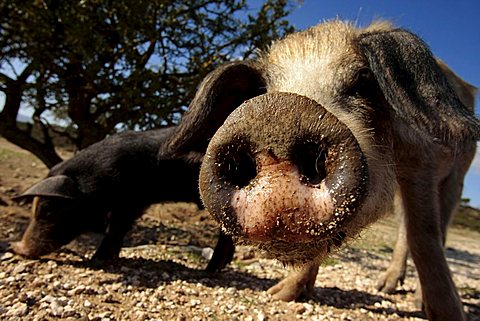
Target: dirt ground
[{"x": 160, "y": 273}]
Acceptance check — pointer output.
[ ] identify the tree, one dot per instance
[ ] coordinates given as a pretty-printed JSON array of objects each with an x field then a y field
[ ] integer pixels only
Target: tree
[{"x": 102, "y": 66}]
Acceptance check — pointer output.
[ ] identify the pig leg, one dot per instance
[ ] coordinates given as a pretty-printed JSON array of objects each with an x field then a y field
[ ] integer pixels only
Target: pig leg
[
  {"x": 396, "y": 271},
  {"x": 120, "y": 224},
  {"x": 425, "y": 240},
  {"x": 223, "y": 252},
  {"x": 222, "y": 255},
  {"x": 295, "y": 283},
  {"x": 450, "y": 194}
]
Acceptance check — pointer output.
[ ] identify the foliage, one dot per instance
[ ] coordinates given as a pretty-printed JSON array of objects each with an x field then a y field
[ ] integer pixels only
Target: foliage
[
  {"x": 467, "y": 217},
  {"x": 102, "y": 65}
]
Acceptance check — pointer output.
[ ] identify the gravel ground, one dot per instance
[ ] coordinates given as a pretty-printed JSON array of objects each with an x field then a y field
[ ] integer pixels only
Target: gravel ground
[
  {"x": 160, "y": 273},
  {"x": 160, "y": 277}
]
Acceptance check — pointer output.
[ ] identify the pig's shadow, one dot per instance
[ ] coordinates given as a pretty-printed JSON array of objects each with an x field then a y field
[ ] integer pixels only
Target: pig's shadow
[
  {"x": 141, "y": 272},
  {"x": 148, "y": 273},
  {"x": 151, "y": 273},
  {"x": 460, "y": 255},
  {"x": 354, "y": 299}
]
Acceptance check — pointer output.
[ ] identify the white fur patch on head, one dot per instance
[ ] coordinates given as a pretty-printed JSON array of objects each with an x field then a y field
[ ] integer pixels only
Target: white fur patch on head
[
  {"x": 310, "y": 63},
  {"x": 320, "y": 63}
]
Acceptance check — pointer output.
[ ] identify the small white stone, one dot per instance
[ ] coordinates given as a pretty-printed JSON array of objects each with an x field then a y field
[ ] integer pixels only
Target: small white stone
[
  {"x": 19, "y": 309},
  {"x": 207, "y": 253},
  {"x": 6, "y": 256}
]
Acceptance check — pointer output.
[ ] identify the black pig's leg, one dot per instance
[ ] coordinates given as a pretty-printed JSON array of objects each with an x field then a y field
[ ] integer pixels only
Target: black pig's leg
[
  {"x": 223, "y": 253},
  {"x": 120, "y": 223}
]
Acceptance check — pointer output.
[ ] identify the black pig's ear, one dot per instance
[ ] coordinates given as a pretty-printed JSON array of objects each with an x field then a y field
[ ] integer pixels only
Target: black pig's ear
[
  {"x": 223, "y": 90},
  {"x": 60, "y": 186},
  {"x": 415, "y": 87}
]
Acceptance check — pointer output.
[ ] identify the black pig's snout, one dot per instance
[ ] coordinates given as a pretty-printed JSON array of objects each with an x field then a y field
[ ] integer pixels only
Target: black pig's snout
[{"x": 282, "y": 168}]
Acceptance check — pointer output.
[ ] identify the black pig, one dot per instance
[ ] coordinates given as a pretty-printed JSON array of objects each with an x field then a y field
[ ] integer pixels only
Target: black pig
[{"x": 105, "y": 188}]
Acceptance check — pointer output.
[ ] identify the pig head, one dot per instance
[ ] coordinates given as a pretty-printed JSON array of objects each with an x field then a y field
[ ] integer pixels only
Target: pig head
[
  {"x": 321, "y": 130},
  {"x": 58, "y": 216}
]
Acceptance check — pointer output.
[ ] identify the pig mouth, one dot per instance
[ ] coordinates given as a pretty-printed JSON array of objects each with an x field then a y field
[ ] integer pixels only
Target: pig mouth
[
  {"x": 289, "y": 183},
  {"x": 34, "y": 251},
  {"x": 42, "y": 238},
  {"x": 297, "y": 254}
]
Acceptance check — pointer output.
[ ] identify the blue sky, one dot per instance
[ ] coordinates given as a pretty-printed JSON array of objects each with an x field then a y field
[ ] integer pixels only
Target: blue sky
[{"x": 450, "y": 28}]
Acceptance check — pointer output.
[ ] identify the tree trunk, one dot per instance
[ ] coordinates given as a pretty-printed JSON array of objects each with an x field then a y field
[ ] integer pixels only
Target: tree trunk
[
  {"x": 45, "y": 153},
  {"x": 79, "y": 103},
  {"x": 8, "y": 122}
]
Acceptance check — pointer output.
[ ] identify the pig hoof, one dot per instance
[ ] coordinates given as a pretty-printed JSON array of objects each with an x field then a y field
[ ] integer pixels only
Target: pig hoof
[
  {"x": 20, "y": 249},
  {"x": 286, "y": 291},
  {"x": 215, "y": 266},
  {"x": 16, "y": 248},
  {"x": 222, "y": 255},
  {"x": 101, "y": 259},
  {"x": 387, "y": 285},
  {"x": 388, "y": 282}
]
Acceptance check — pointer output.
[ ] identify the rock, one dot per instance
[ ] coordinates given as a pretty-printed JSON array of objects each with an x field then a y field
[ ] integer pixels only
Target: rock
[
  {"x": 20, "y": 268},
  {"x": 6, "y": 256},
  {"x": 56, "y": 307},
  {"x": 19, "y": 309},
  {"x": 207, "y": 253}
]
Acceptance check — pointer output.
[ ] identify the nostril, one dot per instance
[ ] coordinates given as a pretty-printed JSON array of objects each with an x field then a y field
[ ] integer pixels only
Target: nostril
[
  {"x": 238, "y": 167},
  {"x": 310, "y": 159}
]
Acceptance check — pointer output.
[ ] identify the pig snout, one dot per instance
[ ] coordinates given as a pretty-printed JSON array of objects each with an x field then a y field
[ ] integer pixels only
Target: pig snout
[
  {"x": 283, "y": 169},
  {"x": 281, "y": 202},
  {"x": 33, "y": 248},
  {"x": 50, "y": 227},
  {"x": 21, "y": 248}
]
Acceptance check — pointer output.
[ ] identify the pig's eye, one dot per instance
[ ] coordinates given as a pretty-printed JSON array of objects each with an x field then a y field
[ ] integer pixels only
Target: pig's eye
[
  {"x": 49, "y": 208},
  {"x": 364, "y": 85}
]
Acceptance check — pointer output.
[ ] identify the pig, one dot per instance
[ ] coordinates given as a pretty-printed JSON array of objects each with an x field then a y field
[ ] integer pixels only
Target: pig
[
  {"x": 105, "y": 188},
  {"x": 309, "y": 143}
]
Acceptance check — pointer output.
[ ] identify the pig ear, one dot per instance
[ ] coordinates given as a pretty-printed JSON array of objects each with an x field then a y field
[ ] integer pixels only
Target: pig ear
[
  {"x": 60, "y": 186},
  {"x": 219, "y": 94},
  {"x": 416, "y": 88},
  {"x": 465, "y": 91}
]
